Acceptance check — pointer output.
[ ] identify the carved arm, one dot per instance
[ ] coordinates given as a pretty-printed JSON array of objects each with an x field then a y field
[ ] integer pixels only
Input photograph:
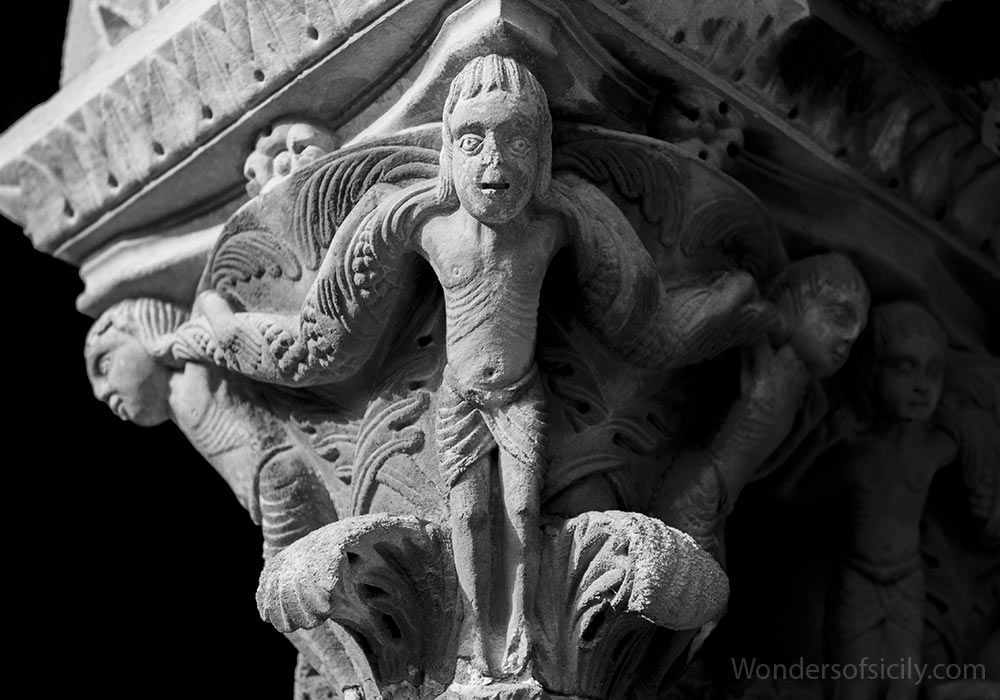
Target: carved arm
[
  {"x": 358, "y": 286},
  {"x": 624, "y": 301}
]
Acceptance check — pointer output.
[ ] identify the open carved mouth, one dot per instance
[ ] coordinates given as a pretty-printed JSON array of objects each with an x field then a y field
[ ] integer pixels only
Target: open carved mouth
[
  {"x": 494, "y": 185},
  {"x": 117, "y": 405}
]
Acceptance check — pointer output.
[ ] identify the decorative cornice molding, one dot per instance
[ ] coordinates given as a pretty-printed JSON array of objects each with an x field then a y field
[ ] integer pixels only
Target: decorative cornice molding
[{"x": 139, "y": 113}]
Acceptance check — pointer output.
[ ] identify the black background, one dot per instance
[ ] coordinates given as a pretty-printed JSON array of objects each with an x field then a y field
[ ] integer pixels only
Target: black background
[{"x": 132, "y": 569}]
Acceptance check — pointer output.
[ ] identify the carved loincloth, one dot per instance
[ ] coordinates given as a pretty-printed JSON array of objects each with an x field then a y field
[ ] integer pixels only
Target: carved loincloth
[
  {"x": 872, "y": 595},
  {"x": 470, "y": 422}
]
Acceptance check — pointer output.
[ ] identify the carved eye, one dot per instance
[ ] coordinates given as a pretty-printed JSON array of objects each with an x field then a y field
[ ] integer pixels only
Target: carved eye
[
  {"x": 470, "y": 144},
  {"x": 903, "y": 365},
  {"x": 104, "y": 365},
  {"x": 520, "y": 145}
]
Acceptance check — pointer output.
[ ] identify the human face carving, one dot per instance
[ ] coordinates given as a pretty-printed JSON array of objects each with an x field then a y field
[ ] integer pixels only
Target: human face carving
[
  {"x": 128, "y": 379},
  {"x": 830, "y": 323},
  {"x": 911, "y": 375},
  {"x": 494, "y": 154}
]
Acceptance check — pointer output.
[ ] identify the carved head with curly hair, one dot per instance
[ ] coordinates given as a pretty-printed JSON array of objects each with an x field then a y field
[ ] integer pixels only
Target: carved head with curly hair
[
  {"x": 128, "y": 358},
  {"x": 825, "y": 300}
]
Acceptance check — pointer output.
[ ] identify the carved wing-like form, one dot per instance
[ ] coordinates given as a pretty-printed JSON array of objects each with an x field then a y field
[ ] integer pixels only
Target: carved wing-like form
[
  {"x": 689, "y": 216},
  {"x": 616, "y": 421},
  {"x": 617, "y": 577},
  {"x": 653, "y": 320},
  {"x": 970, "y": 412},
  {"x": 385, "y": 579},
  {"x": 309, "y": 275},
  {"x": 667, "y": 252},
  {"x": 279, "y": 238}
]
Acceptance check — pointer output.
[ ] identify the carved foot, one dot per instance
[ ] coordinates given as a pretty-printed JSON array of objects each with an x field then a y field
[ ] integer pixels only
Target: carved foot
[{"x": 469, "y": 684}]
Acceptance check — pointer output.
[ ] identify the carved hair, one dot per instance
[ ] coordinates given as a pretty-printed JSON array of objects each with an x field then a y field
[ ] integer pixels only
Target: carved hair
[
  {"x": 805, "y": 279},
  {"x": 901, "y": 319},
  {"x": 485, "y": 74},
  {"x": 896, "y": 319},
  {"x": 150, "y": 321}
]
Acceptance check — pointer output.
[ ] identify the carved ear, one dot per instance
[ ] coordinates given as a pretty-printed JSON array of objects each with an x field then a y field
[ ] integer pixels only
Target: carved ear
[
  {"x": 614, "y": 577},
  {"x": 386, "y": 579}
]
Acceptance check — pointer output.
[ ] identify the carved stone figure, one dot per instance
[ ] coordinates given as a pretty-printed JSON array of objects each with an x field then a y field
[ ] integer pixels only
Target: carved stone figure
[
  {"x": 489, "y": 227},
  {"x": 891, "y": 441},
  {"x": 824, "y": 302},
  {"x": 284, "y": 148},
  {"x": 486, "y": 312},
  {"x": 232, "y": 425}
]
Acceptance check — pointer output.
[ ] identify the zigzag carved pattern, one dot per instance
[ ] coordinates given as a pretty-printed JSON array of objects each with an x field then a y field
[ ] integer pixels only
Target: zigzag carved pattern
[{"x": 188, "y": 89}]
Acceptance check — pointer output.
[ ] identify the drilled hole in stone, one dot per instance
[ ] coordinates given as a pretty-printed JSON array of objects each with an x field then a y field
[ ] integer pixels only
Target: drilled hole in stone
[
  {"x": 583, "y": 407},
  {"x": 841, "y": 152},
  {"x": 679, "y": 36},
  {"x": 158, "y": 148},
  {"x": 733, "y": 150},
  {"x": 415, "y": 385},
  {"x": 723, "y": 107},
  {"x": 893, "y": 183},
  {"x": 352, "y": 557},
  {"x": 738, "y": 74},
  {"x": 424, "y": 340},
  {"x": 368, "y": 591},
  {"x": 940, "y": 213},
  {"x": 390, "y": 624},
  {"x": 703, "y": 154},
  {"x": 593, "y": 625},
  {"x": 312, "y": 32},
  {"x": 258, "y": 75},
  {"x": 266, "y": 131},
  {"x": 793, "y": 113},
  {"x": 206, "y": 112},
  {"x": 112, "y": 181},
  {"x": 68, "y": 210}
]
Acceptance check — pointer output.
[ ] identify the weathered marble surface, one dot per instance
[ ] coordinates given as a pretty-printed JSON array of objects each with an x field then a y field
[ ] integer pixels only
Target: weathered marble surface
[{"x": 310, "y": 463}]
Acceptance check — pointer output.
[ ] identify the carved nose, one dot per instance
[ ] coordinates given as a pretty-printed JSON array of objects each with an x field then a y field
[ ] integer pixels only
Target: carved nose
[{"x": 102, "y": 391}]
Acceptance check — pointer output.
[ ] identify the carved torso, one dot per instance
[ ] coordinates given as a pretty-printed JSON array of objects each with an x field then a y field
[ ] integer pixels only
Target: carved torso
[
  {"x": 492, "y": 280},
  {"x": 891, "y": 480}
]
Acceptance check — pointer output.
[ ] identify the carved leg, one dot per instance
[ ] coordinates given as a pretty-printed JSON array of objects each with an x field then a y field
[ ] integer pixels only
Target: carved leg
[
  {"x": 689, "y": 499},
  {"x": 473, "y": 550},
  {"x": 904, "y": 633},
  {"x": 858, "y": 638},
  {"x": 521, "y": 550}
]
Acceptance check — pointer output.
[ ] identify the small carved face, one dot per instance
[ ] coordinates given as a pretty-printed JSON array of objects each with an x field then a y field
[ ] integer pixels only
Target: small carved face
[
  {"x": 830, "y": 323},
  {"x": 911, "y": 375},
  {"x": 495, "y": 154},
  {"x": 128, "y": 379}
]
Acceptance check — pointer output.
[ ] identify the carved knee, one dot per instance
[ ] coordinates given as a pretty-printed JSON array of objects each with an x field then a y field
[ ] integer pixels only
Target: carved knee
[{"x": 470, "y": 518}]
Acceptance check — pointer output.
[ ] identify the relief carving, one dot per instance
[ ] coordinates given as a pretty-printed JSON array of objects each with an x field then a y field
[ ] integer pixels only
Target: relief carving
[{"x": 539, "y": 399}]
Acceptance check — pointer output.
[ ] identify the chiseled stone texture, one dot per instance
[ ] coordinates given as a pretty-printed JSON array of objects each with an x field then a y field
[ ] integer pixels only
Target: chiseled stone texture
[{"x": 499, "y": 317}]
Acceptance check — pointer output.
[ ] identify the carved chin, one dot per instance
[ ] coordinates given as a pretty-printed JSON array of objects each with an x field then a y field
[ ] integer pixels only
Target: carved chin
[{"x": 494, "y": 206}]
